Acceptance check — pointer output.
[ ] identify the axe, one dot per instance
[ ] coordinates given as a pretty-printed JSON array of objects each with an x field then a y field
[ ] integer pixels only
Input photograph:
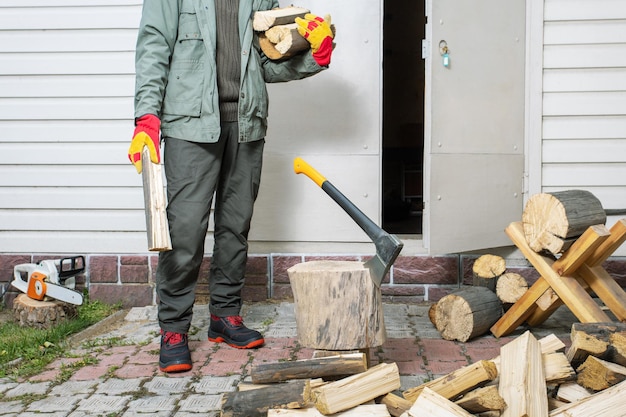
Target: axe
[{"x": 388, "y": 246}]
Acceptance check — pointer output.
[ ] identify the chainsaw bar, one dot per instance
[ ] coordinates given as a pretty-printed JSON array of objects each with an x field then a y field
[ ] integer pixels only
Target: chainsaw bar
[{"x": 40, "y": 285}]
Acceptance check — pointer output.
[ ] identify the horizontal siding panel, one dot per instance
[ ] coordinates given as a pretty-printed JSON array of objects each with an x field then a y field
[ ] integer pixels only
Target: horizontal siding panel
[
  {"x": 584, "y": 9},
  {"x": 68, "y": 40},
  {"x": 586, "y": 103},
  {"x": 68, "y": 63},
  {"x": 66, "y": 108},
  {"x": 63, "y": 153},
  {"x": 56, "y": 242},
  {"x": 69, "y": 176},
  {"x": 585, "y": 79},
  {"x": 584, "y": 175},
  {"x": 72, "y": 220},
  {"x": 67, "y": 130},
  {"x": 584, "y": 127},
  {"x": 37, "y": 86},
  {"x": 76, "y": 198},
  {"x": 70, "y": 17},
  {"x": 586, "y": 32},
  {"x": 584, "y": 56},
  {"x": 584, "y": 151}
]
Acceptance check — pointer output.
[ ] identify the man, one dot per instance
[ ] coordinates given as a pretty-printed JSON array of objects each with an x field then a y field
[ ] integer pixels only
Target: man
[{"x": 200, "y": 82}]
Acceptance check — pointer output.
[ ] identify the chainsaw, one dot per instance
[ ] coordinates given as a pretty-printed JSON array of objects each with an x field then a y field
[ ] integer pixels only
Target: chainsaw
[{"x": 50, "y": 278}]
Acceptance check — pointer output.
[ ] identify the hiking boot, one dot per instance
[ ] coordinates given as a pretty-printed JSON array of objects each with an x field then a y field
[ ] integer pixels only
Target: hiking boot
[
  {"x": 232, "y": 331},
  {"x": 175, "y": 355}
]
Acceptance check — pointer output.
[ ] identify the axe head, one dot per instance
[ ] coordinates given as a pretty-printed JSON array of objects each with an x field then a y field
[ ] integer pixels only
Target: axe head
[{"x": 388, "y": 248}]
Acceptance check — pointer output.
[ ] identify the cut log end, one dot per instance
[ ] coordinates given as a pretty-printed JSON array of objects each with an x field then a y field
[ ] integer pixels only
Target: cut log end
[
  {"x": 467, "y": 313},
  {"x": 551, "y": 219}
]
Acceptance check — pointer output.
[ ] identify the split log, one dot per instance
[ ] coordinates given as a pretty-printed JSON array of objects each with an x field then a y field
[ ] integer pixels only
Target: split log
[
  {"x": 368, "y": 410},
  {"x": 522, "y": 381},
  {"x": 551, "y": 219},
  {"x": 155, "y": 205},
  {"x": 432, "y": 404},
  {"x": 481, "y": 400},
  {"x": 341, "y": 365},
  {"x": 603, "y": 340},
  {"x": 457, "y": 382},
  {"x": 556, "y": 368},
  {"x": 467, "y": 313},
  {"x": 570, "y": 392},
  {"x": 357, "y": 389},
  {"x": 510, "y": 287},
  {"x": 396, "y": 405},
  {"x": 265, "y": 19},
  {"x": 608, "y": 403},
  {"x": 548, "y": 344},
  {"x": 337, "y": 305},
  {"x": 257, "y": 402},
  {"x": 486, "y": 271},
  {"x": 597, "y": 374}
]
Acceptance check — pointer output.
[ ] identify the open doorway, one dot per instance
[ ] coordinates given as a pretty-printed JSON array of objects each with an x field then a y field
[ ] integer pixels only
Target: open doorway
[{"x": 403, "y": 116}]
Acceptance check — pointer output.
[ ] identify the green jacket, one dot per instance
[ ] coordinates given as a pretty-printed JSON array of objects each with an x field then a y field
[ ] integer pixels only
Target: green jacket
[{"x": 175, "y": 69}]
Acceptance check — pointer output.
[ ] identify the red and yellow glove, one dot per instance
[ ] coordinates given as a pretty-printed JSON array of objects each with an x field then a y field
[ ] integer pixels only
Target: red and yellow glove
[
  {"x": 319, "y": 34},
  {"x": 146, "y": 134}
]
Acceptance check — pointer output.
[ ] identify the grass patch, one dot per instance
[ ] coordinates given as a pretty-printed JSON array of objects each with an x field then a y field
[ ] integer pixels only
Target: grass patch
[{"x": 25, "y": 351}]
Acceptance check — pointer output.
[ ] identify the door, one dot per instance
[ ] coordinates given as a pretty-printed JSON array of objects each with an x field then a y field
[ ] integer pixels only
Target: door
[{"x": 474, "y": 123}]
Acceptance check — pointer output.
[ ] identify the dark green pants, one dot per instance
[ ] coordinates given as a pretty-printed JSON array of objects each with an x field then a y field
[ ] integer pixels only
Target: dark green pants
[{"x": 195, "y": 172}]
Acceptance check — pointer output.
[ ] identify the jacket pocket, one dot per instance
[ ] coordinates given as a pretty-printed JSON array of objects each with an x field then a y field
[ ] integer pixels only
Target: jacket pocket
[{"x": 183, "y": 94}]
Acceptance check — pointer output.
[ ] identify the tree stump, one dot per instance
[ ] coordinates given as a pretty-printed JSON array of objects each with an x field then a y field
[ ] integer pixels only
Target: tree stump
[
  {"x": 337, "y": 305},
  {"x": 486, "y": 271},
  {"x": 467, "y": 313},
  {"x": 553, "y": 221},
  {"x": 41, "y": 314}
]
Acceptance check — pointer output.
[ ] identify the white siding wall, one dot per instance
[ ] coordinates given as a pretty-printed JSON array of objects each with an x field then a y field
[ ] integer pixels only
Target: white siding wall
[
  {"x": 66, "y": 108},
  {"x": 584, "y": 98}
]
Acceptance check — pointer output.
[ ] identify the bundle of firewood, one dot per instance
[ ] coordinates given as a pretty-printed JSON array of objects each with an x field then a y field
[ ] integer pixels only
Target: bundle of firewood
[
  {"x": 530, "y": 378},
  {"x": 278, "y": 33}
]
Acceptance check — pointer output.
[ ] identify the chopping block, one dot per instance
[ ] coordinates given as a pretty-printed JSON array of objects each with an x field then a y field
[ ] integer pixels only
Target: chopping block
[
  {"x": 41, "y": 314},
  {"x": 337, "y": 305}
]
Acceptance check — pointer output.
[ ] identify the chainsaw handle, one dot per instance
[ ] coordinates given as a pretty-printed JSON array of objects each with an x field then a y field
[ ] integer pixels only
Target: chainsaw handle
[{"x": 300, "y": 166}]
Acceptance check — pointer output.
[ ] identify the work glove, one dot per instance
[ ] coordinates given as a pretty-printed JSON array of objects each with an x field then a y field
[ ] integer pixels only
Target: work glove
[
  {"x": 146, "y": 134},
  {"x": 319, "y": 34}
]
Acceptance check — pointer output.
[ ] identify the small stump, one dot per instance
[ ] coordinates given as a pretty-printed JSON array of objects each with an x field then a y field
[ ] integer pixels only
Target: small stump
[
  {"x": 41, "y": 314},
  {"x": 337, "y": 305}
]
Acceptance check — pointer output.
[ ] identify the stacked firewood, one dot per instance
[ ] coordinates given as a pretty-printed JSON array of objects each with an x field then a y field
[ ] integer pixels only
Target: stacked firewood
[
  {"x": 530, "y": 377},
  {"x": 470, "y": 312},
  {"x": 278, "y": 32}
]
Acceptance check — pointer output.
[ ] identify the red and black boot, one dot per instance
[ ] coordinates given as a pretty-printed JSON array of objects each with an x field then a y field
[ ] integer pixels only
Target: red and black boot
[
  {"x": 174, "y": 355},
  {"x": 232, "y": 331}
]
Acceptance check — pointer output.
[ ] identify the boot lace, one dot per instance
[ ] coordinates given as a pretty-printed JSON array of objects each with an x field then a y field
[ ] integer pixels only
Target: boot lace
[
  {"x": 172, "y": 338},
  {"x": 235, "y": 320}
]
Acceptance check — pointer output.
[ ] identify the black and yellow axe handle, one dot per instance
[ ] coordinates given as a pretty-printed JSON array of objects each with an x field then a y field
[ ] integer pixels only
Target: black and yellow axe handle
[{"x": 372, "y": 230}]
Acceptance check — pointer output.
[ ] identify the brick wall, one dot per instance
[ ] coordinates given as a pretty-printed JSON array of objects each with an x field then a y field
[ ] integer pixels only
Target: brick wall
[{"x": 130, "y": 279}]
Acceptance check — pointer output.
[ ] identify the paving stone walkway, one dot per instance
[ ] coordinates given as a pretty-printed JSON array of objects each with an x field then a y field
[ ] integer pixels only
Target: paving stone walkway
[{"x": 116, "y": 373}]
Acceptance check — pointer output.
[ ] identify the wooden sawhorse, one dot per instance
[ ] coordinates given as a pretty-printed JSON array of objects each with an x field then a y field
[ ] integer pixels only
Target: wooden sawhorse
[{"x": 568, "y": 280}]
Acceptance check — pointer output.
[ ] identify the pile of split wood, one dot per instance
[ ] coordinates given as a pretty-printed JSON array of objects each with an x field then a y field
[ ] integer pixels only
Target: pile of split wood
[
  {"x": 530, "y": 377},
  {"x": 278, "y": 33}
]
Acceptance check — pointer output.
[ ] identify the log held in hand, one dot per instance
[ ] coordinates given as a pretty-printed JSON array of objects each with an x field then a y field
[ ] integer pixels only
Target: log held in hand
[{"x": 155, "y": 203}]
